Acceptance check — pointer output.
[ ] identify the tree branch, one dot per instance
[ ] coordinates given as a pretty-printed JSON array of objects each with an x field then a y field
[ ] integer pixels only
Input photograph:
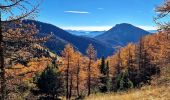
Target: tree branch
[
  {"x": 23, "y": 16},
  {"x": 8, "y": 6}
]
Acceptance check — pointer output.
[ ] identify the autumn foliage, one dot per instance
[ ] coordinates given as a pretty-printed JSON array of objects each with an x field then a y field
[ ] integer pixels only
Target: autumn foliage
[{"x": 133, "y": 66}]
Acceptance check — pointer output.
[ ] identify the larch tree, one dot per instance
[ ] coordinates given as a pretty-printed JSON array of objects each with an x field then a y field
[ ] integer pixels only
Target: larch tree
[
  {"x": 140, "y": 60},
  {"x": 164, "y": 30},
  {"x": 20, "y": 41},
  {"x": 78, "y": 63},
  {"x": 131, "y": 64},
  {"x": 164, "y": 27},
  {"x": 145, "y": 67},
  {"x": 119, "y": 62},
  {"x": 91, "y": 54},
  {"x": 67, "y": 54},
  {"x": 8, "y": 16},
  {"x": 163, "y": 12}
]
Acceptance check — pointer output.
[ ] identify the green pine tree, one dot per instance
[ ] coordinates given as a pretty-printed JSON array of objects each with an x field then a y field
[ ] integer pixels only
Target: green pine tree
[
  {"x": 50, "y": 82},
  {"x": 104, "y": 80}
]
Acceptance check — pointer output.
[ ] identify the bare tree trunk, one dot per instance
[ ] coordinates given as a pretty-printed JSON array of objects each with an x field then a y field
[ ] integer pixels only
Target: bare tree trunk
[
  {"x": 119, "y": 63},
  {"x": 67, "y": 80},
  {"x": 78, "y": 72},
  {"x": 2, "y": 68},
  {"x": 71, "y": 86},
  {"x": 89, "y": 78}
]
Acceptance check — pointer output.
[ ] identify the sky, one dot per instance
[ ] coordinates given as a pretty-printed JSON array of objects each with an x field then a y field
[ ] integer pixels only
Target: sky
[{"x": 97, "y": 15}]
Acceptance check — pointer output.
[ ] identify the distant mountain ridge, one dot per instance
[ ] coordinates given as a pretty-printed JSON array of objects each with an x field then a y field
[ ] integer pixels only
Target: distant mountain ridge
[
  {"x": 61, "y": 38},
  {"x": 91, "y": 34},
  {"x": 122, "y": 34}
]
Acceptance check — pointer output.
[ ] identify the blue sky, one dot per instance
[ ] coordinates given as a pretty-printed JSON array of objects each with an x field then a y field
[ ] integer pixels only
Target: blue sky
[{"x": 98, "y": 14}]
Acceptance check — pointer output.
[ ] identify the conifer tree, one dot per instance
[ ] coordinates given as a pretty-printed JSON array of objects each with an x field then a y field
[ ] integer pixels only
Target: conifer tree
[
  {"x": 104, "y": 75},
  {"x": 131, "y": 70},
  {"x": 50, "y": 82},
  {"x": 25, "y": 9},
  {"x": 67, "y": 54},
  {"x": 145, "y": 68},
  {"x": 163, "y": 11},
  {"x": 164, "y": 27},
  {"x": 78, "y": 58},
  {"x": 91, "y": 54},
  {"x": 108, "y": 76},
  {"x": 116, "y": 78}
]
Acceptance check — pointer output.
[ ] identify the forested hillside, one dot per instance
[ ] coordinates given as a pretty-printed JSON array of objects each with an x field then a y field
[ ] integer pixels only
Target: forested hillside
[
  {"x": 40, "y": 61},
  {"x": 60, "y": 38}
]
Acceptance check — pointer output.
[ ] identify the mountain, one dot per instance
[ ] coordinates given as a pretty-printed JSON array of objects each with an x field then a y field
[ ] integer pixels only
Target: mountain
[
  {"x": 91, "y": 34},
  {"x": 61, "y": 38},
  {"x": 122, "y": 34}
]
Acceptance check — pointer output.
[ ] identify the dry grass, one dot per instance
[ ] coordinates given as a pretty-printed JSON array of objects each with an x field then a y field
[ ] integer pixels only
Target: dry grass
[
  {"x": 160, "y": 90},
  {"x": 146, "y": 93}
]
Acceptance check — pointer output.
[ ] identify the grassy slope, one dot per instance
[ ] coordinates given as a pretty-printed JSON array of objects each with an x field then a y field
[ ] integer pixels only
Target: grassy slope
[
  {"x": 158, "y": 91},
  {"x": 147, "y": 93}
]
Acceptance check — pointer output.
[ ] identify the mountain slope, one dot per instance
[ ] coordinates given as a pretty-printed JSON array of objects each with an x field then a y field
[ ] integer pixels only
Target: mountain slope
[
  {"x": 61, "y": 38},
  {"x": 122, "y": 34}
]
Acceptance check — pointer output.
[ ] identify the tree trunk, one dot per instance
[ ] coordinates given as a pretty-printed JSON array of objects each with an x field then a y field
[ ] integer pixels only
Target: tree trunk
[
  {"x": 78, "y": 72},
  {"x": 2, "y": 68},
  {"x": 67, "y": 80},
  {"x": 89, "y": 78},
  {"x": 71, "y": 86}
]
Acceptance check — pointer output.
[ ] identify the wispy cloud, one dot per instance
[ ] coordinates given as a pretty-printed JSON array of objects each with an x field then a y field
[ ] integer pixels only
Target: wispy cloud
[
  {"x": 100, "y": 8},
  {"x": 77, "y": 12}
]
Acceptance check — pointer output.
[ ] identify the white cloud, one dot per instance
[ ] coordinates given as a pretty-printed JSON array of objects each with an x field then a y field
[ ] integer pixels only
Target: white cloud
[
  {"x": 77, "y": 12},
  {"x": 148, "y": 27},
  {"x": 88, "y": 28},
  {"x": 100, "y": 8}
]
